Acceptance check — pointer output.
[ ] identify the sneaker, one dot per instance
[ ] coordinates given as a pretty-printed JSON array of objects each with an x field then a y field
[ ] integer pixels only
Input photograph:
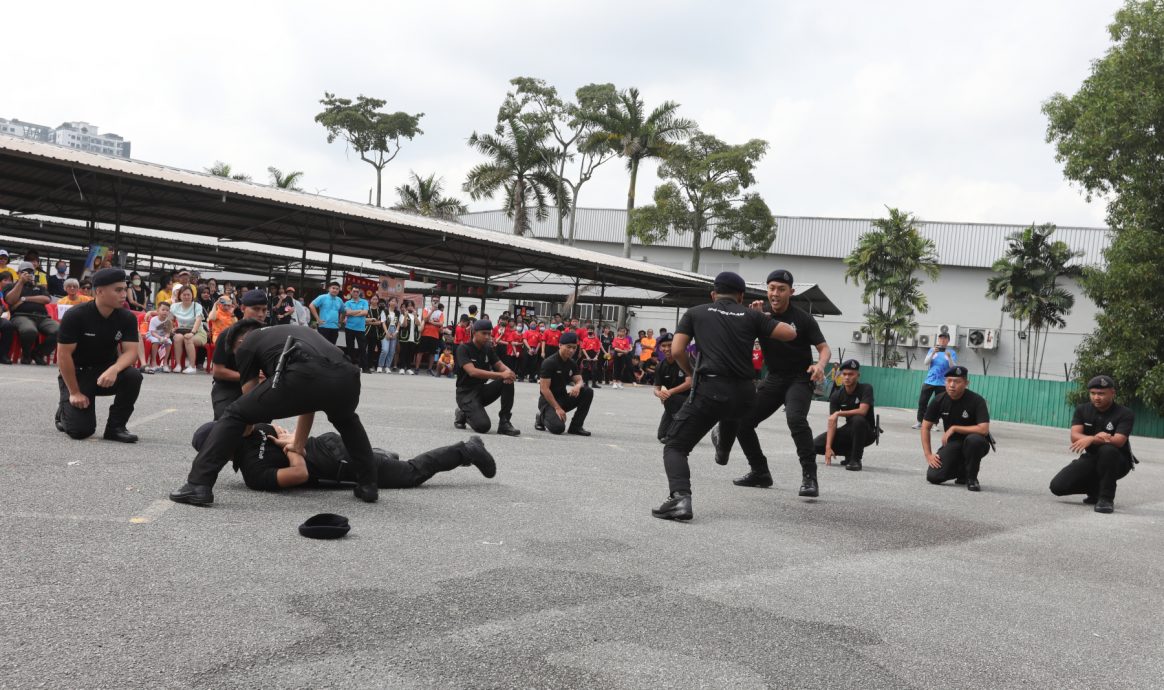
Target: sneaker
[
  {"x": 166, "y": 369},
  {"x": 189, "y": 370},
  {"x": 412, "y": 372},
  {"x": 916, "y": 426}
]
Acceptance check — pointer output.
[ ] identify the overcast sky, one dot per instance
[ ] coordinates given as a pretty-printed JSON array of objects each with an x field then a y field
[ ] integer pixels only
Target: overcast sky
[{"x": 931, "y": 107}]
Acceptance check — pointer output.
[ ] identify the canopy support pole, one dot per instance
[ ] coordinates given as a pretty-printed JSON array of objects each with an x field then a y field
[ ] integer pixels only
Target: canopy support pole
[{"x": 456, "y": 299}]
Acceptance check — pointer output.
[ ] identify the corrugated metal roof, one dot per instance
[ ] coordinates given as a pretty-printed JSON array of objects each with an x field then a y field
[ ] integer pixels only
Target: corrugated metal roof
[{"x": 975, "y": 245}]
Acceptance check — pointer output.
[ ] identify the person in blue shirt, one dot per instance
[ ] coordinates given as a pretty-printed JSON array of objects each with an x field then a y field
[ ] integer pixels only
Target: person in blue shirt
[
  {"x": 939, "y": 360},
  {"x": 326, "y": 310},
  {"x": 355, "y": 323}
]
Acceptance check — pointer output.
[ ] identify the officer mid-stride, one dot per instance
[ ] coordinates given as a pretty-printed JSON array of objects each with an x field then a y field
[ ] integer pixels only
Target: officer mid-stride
[
  {"x": 723, "y": 391},
  {"x": 1099, "y": 431},
  {"x": 965, "y": 441}
]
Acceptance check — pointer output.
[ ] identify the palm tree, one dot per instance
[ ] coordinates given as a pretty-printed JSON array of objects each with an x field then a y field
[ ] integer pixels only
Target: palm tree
[
  {"x": 520, "y": 164},
  {"x": 627, "y": 129},
  {"x": 423, "y": 197},
  {"x": 220, "y": 169},
  {"x": 288, "y": 181}
]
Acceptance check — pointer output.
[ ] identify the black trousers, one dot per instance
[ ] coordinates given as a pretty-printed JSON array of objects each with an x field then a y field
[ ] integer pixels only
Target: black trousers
[
  {"x": 30, "y": 327},
  {"x": 716, "y": 400},
  {"x": 222, "y": 394},
  {"x": 307, "y": 385},
  {"x": 354, "y": 346},
  {"x": 329, "y": 455},
  {"x": 581, "y": 404},
  {"x": 405, "y": 353},
  {"x": 794, "y": 393},
  {"x": 471, "y": 404},
  {"x": 671, "y": 407},
  {"x": 530, "y": 365},
  {"x": 923, "y": 400},
  {"x": 82, "y": 423},
  {"x": 330, "y": 334},
  {"x": 1094, "y": 473},
  {"x": 590, "y": 372},
  {"x": 7, "y": 333},
  {"x": 372, "y": 351},
  {"x": 850, "y": 441},
  {"x": 621, "y": 364},
  {"x": 961, "y": 458}
]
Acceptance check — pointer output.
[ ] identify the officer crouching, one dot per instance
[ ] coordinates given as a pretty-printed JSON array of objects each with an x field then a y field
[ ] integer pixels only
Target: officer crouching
[
  {"x": 966, "y": 423},
  {"x": 561, "y": 390},
  {"x": 1100, "y": 431},
  {"x": 853, "y": 402}
]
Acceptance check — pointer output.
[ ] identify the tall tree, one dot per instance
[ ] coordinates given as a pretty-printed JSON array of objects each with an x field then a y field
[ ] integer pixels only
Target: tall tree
[
  {"x": 635, "y": 134},
  {"x": 887, "y": 260},
  {"x": 520, "y": 164},
  {"x": 1027, "y": 278},
  {"x": 1108, "y": 137},
  {"x": 570, "y": 124},
  {"x": 376, "y": 136},
  {"x": 703, "y": 195},
  {"x": 425, "y": 196},
  {"x": 289, "y": 180},
  {"x": 220, "y": 169}
]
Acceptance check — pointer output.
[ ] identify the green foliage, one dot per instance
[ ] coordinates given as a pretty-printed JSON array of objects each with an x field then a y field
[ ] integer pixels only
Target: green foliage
[
  {"x": 1108, "y": 137},
  {"x": 376, "y": 136},
  {"x": 424, "y": 196},
  {"x": 220, "y": 169},
  {"x": 886, "y": 262},
  {"x": 285, "y": 180},
  {"x": 703, "y": 194}
]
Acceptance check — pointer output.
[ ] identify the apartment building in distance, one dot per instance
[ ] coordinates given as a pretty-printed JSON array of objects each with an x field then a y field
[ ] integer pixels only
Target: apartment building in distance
[{"x": 77, "y": 135}]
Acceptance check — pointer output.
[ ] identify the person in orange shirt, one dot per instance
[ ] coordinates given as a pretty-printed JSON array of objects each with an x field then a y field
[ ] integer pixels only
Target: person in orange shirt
[
  {"x": 433, "y": 319},
  {"x": 73, "y": 295},
  {"x": 648, "y": 347},
  {"x": 221, "y": 316}
]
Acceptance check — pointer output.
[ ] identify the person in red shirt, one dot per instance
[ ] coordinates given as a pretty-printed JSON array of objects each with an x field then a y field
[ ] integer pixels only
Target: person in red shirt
[
  {"x": 622, "y": 348},
  {"x": 757, "y": 359},
  {"x": 591, "y": 359},
  {"x": 462, "y": 334},
  {"x": 513, "y": 342},
  {"x": 531, "y": 352},
  {"x": 583, "y": 332}
]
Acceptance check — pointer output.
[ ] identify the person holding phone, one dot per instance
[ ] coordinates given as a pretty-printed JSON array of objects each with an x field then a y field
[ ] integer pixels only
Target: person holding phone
[{"x": 939, "y": 360}]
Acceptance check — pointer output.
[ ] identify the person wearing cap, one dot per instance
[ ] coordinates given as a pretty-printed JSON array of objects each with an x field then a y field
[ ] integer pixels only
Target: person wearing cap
[
  {"x": 853, "y": 402},
  {"x": 966, "y": 432},
  {"x": 33, "y": 257},
  {"x": 269, "y": 461},
  {"x": 722, "y": 392},
  {"x": 227, "y": 386},
  {"x": 791, "y": 380},
  {"x": 1100, "y": 431},
  {"x": 672, "y": 386},
  {"x": 482, "y": 379},
  {"x": 26, "y": 301},
  {"x": 302, "y": 373},
  {"x": 938, "y": 359},
  {"x": 562, "y": 389},
  {"x": 96, "y": 356},
  {"x": 5, "y": 267}
]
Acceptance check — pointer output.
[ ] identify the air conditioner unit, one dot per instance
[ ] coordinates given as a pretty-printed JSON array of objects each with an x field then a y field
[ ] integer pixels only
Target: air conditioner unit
[
  {"x": 925, "y": 340},
  {"x": 906, "y": 341},
  {"x": 983, "y": 338},
  {"x": 860, "y": 336},
  {"x": 945, "y": 328}
]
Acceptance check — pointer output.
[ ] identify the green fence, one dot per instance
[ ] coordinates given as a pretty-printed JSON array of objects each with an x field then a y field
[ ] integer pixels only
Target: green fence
[{"x": 1026, "y": 401}]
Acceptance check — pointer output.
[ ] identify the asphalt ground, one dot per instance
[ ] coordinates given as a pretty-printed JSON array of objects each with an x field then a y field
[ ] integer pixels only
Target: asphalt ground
[{"x": 554, "y": 574}]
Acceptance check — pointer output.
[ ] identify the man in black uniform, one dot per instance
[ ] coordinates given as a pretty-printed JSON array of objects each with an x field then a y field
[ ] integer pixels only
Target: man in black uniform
[
  {"x": 226, "y": 387},
  {"x": 722, "y": 391},
  {"x": 1100, "y": 431},
  {"x": 853, "y": 402},
  {"x": 96, "y": 356},
  {"x": 481, "y": 379},
  {"x": 966, "y": 423},
  {"x": 304, "y": 374},
  {"x": 269, "y": 462},
  {"x": 554, "y": 400},
  {"x": 671, "y": 385},
  {"x": 790, "y": 381}
]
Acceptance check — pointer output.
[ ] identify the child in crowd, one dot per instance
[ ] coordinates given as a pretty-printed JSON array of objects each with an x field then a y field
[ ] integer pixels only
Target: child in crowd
[
  {"x": 445, "y": 364},
  {"x": 160, "y": 334},
  {"x": 757, "y": 359}
]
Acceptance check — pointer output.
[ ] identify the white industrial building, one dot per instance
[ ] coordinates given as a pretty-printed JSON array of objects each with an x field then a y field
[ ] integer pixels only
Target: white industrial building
[
  {"x": 76, "y": 135},
  {"x": 813, "y": 249}
]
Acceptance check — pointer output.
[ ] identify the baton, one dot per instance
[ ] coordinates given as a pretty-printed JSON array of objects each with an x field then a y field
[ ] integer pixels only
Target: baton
[{"x": 288, "y": 346}]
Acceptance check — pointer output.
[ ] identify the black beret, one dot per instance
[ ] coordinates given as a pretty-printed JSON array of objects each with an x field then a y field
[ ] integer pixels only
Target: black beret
[
  {"x": 959, "y": 372},
  {"x": 779, "y": 276},
  {"x": 730, "y": 281},
  {"x": 570, "y": 338},
  {"x": 254, "y": 298},
  {"x": 108, "y": 276},
  {"x": 325, "y": 526},
  {"x": 1101, "y": 382},
  {"x": 200, "y": 435},
  {"x": 851, "y": 364},
  {"x": 482, "y": 325}
]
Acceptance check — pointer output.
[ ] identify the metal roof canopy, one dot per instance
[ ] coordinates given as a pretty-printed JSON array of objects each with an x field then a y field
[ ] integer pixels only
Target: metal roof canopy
[{"x": 45, "y": 179}]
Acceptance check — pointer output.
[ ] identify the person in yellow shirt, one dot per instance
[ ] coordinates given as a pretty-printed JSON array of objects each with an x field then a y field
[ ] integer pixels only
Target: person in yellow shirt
[
  {"x": 73, "y": 295},
  {"x": 5, "y": 268}
]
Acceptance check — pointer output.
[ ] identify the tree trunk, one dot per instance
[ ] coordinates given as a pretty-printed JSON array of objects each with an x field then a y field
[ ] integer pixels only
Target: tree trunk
[
  {"x": 630, "y": 206},
  {"x": 561, "y": 234},
  {"x": 573, "y": 213},
  {"x": 379, "y": 184},
  {"x": 518, "y": 207},
  {"x": 696, "y": 242}
]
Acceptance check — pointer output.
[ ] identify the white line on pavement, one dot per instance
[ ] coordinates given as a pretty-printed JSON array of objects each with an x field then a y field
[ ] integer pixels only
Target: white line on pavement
[
  {"x": 151, "y": 417},
  {"x": 152, "y": 512}
]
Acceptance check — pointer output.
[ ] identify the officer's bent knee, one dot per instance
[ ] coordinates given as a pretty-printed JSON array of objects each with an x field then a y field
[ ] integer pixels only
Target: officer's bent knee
[
  {"x": 132, "y": 374},
  {"x": 80, "y": 434},
  {"x": 1057, "y": 488},
  {"x": 556, "y": 430},
  {"x": 481, "y": 428},
  {"x": 934, "y": 479}
]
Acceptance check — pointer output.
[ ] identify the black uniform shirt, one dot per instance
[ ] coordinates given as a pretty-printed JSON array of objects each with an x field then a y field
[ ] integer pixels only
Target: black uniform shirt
[
  {"x": 669, "y": 374},
  {"x": 224, "y": 357},
  {"x": 844, "y": 401},
  {"x": 97, "y": 338},
  {"x": 30, "y": 290},
  {"x": 968, "y": 410},
  {"x": 795, "y": 356},
  {"x": 560, "y": 373},
  {"x": 1117, "y": 420},
  {"x": 725, "y": 330},
  {"x": 259, "y": 460},
  {"x": 484, "y": 358},
  {"x": 261, "y": 350}
]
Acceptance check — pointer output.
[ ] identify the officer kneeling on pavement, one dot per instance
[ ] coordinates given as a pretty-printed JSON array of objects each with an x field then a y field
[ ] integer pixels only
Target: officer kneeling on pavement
[
  {"x": 966, "y": 425},
  {"x": 96, "y": 353},
  {"x": 482, "y": 378},
  {"x": 561, "y": 390},
  {"x": 853, "y": 402},
  {"x": 672, "y": 386},
  {"x": 1100, "y": 431}
]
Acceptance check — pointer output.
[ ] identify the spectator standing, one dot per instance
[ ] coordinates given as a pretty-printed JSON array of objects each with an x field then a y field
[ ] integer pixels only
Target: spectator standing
[
  {"x": 373, "y": 334},
  {"x": 326, "y": 309},
  {"x": 622, "y": 348},
  {"x": 284, "y": 309},
  {"x": 188, "y": 320},
  {"x": 391, "y": 317},
  {"x": 591, "y": 358},
  {"x": 26, "y": 302},
  {"x": 531, "y": 352},
  {"x": 604, "y": 366},
  {"x": 409, "y": 337},
  {"x": 462, "y": 334},
  {"x": 433, "y": 318},
  {"x": 355, "y": 325},
  {"x": 56, "y": 281},
  {"x": 939, "y": 359},
  {"x": 138, "y": 295},
  {"x": 221, "y": 316},
  {"x": 647, "y": 348}
]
